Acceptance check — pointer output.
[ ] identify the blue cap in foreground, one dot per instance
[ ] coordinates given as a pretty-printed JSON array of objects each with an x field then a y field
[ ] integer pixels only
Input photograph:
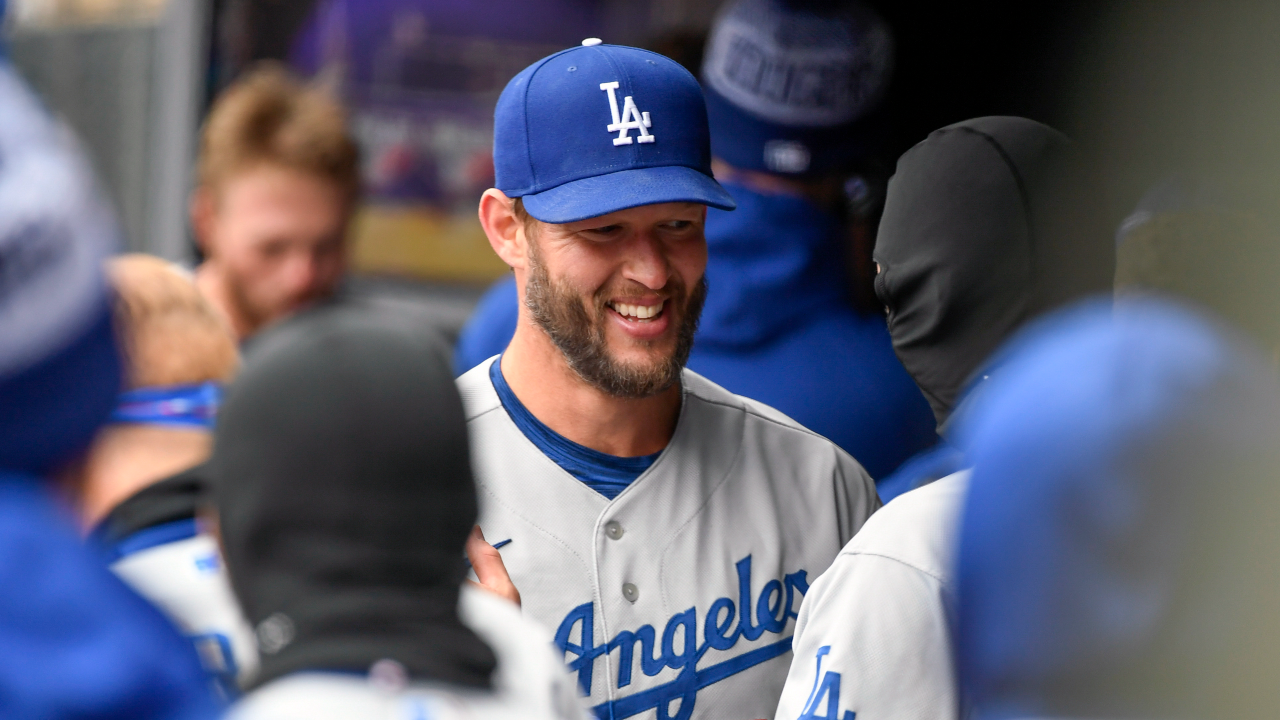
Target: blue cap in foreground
[
  {"x": 59, "y": 366},
  {"x": 601, "y": 128},
  {"x": 74, "y": 640},
  {"x": 1117, "y": 546}
]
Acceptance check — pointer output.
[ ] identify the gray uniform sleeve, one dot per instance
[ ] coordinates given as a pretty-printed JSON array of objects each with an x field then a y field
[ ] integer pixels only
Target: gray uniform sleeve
[
  {"x": 855, "y": 493},
  {"x": 871, "y": 639}
]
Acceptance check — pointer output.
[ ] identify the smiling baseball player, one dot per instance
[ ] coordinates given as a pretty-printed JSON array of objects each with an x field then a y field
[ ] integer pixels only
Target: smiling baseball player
[{"x": 664, "y": 528}]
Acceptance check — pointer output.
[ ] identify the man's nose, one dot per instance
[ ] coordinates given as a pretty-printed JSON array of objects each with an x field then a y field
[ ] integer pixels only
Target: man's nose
[
  {"x": 300, "y": 273},
  {"x": 647, "y": 261}
]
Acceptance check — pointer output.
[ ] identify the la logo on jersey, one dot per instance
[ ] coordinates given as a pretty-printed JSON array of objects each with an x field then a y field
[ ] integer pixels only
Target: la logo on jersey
[
  {"x": 629, "y": 119},
  {"x": 826, "y": 691}
]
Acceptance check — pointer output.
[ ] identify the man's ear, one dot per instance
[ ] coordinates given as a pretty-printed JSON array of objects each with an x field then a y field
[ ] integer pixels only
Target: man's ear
[
  {"x": 203, "y": 211},
  {"x": 505, "y": 231}
]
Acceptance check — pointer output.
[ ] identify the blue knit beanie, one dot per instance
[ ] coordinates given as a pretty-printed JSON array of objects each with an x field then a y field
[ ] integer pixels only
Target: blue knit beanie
[
  {"x": 59, "y": 366},
  {"x": 788, "y": 82}
]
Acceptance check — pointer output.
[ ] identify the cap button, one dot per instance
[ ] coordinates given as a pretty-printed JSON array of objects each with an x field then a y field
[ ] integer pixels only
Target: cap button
[{"x": 591, "y": 41}]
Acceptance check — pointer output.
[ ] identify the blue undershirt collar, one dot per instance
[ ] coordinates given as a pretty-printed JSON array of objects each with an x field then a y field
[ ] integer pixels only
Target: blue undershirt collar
[{"x": 604, "y": 473}]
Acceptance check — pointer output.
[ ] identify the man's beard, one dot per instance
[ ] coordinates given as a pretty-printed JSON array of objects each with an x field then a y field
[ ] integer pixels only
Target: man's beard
[
  {"x": 253, "y": 314},
  {"x": 258, "y": 314},
  {"x": 559, "y": 311}
]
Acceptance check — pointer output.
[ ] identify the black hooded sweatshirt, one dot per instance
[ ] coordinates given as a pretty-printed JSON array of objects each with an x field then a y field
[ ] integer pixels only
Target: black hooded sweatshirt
[
  {"x": 987, "y": 223},
  {"x": 343, "y": 482}
]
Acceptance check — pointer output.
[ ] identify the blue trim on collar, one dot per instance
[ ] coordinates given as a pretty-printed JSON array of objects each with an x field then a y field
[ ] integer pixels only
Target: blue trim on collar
[{"x": 607, "y": 474}]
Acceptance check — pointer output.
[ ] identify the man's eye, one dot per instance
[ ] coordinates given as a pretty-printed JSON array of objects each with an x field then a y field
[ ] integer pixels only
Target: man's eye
[
  {"x": 604, "y": 231},
  {"x": 273, "y": 250},
  {"x": 329, "y": 246},
  {"x": 679, "y": 224}
]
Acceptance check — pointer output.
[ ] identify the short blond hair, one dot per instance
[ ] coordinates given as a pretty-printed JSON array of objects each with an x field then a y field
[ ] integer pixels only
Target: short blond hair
[
  {"x": 270, "y": 117},
  {"x": 169, "y": 333}
]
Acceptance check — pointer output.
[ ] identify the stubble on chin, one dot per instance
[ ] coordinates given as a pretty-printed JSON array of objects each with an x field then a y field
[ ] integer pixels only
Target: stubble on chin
[
  {"x": 579, "y": 334},
  {"x": 252, "y": 315}
]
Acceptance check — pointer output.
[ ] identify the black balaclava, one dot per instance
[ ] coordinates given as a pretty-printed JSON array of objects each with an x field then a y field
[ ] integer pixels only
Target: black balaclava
[
  {"x": 987, "y": 223},
  {"x": 345, "y": 496}
]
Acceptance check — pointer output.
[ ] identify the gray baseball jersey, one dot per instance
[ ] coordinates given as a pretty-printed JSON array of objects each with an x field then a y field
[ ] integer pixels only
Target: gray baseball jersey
[
  {"x": 528, "y": 683},
  {"x": 872, "y": 639},
  {"x": 677, "y": 598}
]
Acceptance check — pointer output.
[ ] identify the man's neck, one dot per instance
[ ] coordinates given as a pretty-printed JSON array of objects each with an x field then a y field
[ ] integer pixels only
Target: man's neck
[
  {"x": 541, "y": 378},
  {"x": 213, "y": 284},
  {"x": 127, "y": 458}
]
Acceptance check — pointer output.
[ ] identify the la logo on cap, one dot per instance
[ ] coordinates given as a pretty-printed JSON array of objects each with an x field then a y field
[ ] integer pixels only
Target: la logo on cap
[
  {"x": 630, "y": 119},
  {"x": 565, "y": 177}
]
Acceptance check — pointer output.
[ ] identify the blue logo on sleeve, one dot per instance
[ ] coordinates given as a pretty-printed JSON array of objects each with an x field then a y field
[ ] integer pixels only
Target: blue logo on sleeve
[
  {"x": 678, "y": 647},
  {"x": 825, "y": 687},
  {"x": 219, "y": 662},
  {"x": 207, "y": 563}
]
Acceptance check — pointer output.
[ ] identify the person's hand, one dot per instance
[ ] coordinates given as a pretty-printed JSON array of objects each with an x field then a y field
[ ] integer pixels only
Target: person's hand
[{"x": 491, "y": 572}]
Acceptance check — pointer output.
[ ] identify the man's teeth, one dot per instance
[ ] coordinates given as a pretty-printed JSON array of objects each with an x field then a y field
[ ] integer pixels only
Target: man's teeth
[{"x": 639, "y": 312}]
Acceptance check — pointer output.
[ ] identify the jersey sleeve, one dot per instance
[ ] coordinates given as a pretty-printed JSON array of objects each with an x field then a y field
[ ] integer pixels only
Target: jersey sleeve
[
  {"x": 530, "y": 675},
  {"x": 871, "y": 639},
  {"x": 856, "y": 497}
]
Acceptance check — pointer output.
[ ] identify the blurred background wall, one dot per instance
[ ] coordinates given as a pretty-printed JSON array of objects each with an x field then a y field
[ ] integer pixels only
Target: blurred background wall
[
  {"x": 129, "y": 76},
  {"x": 134, "y": 77}
]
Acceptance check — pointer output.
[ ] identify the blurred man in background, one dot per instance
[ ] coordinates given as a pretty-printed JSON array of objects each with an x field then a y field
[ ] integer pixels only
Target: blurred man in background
[
  {"x": 345, "y": 500},
  {"x": 1117, "y": 547},
  {"x": 278, "y": 179},
  {"x": 76, "y": 641},
  {"x": 778, "y": 325},
  {"x": 139, "y": 492},
  {"x": 986, "y": 227}
]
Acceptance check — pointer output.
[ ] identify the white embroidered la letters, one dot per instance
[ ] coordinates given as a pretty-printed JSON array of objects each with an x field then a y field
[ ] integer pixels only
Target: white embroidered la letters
[{"x": 630, "y": 119}]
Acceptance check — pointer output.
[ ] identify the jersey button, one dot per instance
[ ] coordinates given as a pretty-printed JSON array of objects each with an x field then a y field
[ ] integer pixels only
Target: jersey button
[
  {"x": 614, "y": 530},
  {"x": 630, "y": 592}
]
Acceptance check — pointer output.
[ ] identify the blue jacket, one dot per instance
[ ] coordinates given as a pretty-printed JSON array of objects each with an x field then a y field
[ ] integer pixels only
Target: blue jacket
[
  {"x": 74, "y": 641},
  {"x": 777, "y": 328}
]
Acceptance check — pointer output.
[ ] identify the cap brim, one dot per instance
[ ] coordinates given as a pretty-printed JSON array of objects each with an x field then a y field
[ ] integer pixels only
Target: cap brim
[{"x": 604, "y": 194}]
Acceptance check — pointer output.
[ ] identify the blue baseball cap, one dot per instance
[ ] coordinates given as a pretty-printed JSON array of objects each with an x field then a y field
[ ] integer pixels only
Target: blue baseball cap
[{"x": 601, "y": 128}]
